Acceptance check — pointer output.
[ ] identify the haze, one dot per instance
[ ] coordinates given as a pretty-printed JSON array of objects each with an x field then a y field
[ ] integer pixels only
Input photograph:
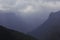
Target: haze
[{"x": 32, "y": 12}]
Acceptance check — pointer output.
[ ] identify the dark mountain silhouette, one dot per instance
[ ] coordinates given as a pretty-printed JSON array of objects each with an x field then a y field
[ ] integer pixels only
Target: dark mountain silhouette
[
  {"x": 50, "y": 29},
  {"x": 8, "y": 34}
]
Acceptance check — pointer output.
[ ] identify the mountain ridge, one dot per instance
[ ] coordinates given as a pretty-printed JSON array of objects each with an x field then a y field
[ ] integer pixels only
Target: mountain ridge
[
  {"x": 50, "y": 29},
  {"x": 8, "y": 34}
]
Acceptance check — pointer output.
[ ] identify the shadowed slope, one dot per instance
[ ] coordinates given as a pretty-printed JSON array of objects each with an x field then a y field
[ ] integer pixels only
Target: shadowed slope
[
  {"x": 7, "y": 34},
  {"x": 50, "y": 29}
]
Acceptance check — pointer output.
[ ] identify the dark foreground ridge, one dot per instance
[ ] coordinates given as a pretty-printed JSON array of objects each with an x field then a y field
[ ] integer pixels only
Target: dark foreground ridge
[
  {"x": 8, "y": 34},
  {"x": 50, "y": 29}
]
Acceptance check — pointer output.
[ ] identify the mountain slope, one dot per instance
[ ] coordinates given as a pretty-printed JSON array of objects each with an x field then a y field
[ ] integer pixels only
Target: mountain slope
[
  {"x": 13, "y": 21},
  {"x": 50, "y": 29},
  {"x": 8, "y": 34}
]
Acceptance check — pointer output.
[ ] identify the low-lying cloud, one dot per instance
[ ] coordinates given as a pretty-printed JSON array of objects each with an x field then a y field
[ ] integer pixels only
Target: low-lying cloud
[{"x": 33, "y": 6}]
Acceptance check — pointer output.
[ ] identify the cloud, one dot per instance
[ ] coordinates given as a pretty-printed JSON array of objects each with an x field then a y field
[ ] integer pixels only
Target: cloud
[
  {"x": 51, "y": 0},
  {"x": 40, "y": 5},
  {"x": 6, "y": 4},
  {"x": 28, "y": 9},
  {"x": 26, "y": 6}
]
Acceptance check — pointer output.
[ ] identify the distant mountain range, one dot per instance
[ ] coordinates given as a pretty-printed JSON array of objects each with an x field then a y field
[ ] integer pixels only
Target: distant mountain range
[
  {"x": 8, "y": 34},
  {"x": 50, "y": 29},
  {"x": 13, "y": 21},
  {"x": 21, "y": 22}
]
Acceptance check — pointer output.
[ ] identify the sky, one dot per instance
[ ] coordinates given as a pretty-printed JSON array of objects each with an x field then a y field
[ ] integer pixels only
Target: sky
[
  {"x": 30, "y": 6},
  {"x": 33, "y": 12}
]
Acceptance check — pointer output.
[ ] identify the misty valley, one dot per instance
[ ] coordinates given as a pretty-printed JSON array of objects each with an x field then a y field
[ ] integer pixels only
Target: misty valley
[
  {"x": 13, "y": 27},
  {"x": 29, "y": 19}
]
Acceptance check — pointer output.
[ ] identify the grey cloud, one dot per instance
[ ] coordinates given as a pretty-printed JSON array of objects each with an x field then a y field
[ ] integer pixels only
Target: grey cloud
[
  {"x": 51, "y": 0},
  {"x": 38, "y": 5},
  {"x": 9, "y": 2},
  {"x": 42, "y": 7}
]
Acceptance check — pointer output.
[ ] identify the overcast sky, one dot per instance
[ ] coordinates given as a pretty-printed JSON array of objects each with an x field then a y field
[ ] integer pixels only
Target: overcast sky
[
  {"x": 33, "y": 6},
  {"x": 39, "y": 9}
]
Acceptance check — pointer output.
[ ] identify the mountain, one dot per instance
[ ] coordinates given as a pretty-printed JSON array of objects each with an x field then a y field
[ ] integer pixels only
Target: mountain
[
  {"x": 8, "y": 34},
  {"x": 50, "y": 29},
  {"x": 13, "y": 21},
  {"x": 20, "y": 21}
]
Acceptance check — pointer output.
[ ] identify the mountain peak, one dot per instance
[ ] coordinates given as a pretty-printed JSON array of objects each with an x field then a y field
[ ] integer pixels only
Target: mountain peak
[{"x": 55, "y": 13}]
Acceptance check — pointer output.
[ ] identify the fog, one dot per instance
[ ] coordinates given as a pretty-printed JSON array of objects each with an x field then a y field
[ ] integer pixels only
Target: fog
[{"x": 26, "y": 15}]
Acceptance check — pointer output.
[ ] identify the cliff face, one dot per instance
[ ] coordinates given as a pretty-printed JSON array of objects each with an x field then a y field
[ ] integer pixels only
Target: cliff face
[
  {"x": 8, "y": 34},
  {"x": 50, "y": 29}
]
